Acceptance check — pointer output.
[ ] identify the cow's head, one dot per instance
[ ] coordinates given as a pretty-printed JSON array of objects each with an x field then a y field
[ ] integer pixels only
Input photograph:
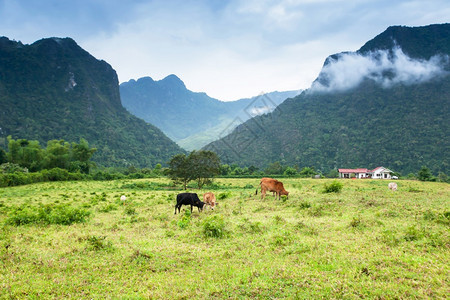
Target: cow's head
[
  {"x": 213, "y": 205},
  {"x": 200, "y": 204},
  {"x": 284, "y": 193}
]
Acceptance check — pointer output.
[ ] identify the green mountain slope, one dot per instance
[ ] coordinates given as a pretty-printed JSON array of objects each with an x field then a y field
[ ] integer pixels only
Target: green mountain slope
[
  {"x": 53, "y": 89},
  {"x": 394, "y": 115},
  {"x": 189, "y": 118}
]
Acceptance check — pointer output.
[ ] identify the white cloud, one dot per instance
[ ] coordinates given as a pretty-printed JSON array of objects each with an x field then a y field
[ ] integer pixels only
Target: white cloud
[
  {"x": 260, "y": 110},
  {"x": 348, "y": 70},
  {"x": 228, "y": 49}
]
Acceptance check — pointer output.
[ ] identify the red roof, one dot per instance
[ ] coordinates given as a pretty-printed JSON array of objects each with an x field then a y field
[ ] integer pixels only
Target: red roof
[{"x": 353, "y": 170}]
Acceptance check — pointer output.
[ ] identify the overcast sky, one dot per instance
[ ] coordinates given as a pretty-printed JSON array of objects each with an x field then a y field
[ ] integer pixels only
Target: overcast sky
[{"x": 228, "y": 49}]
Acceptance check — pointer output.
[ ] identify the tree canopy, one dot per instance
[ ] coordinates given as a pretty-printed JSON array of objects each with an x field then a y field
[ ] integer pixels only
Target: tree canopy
[{"x": 198, "y": 165}]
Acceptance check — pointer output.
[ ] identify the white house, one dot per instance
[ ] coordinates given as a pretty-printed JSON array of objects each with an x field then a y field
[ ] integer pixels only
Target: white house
[
  {"x": 381, "y": 173},
  {"x": 377, "y": 173}
]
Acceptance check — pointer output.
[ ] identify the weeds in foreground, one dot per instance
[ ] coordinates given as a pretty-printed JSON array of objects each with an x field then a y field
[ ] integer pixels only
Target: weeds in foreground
[
  {"x": 364, "y": 242},
  {"x": 47, "y": 214},
  {"x": 333, "y": 187},
  {"x": 214, "y": 226}
]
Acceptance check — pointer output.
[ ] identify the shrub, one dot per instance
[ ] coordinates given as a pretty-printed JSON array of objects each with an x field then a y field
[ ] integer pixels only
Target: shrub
[
  {"x": 97, "y": 243},
  {"x": 356, "y": 222},
  {"x": 214, "y": 226},
  {"x": 185, "y": 220},
  {"x": 281, "y": 239},
  {"x": 107, "y": 208},
  {"x": 21, "y": 216},
  {"x": 130, "y": 211},
  {"x": 413, "y": 234},
  {"x": 224, "y": 195},
  {"x": 333, "y": 187},
  {"x": 62, "y": 214},
  {"x": 12, "y": 168},
  {"x": 56, "y": 174},
  {"x": 47, "y": 214},
  {"x": 256, "y": 227},
  {"x": 305, "y": 205}
]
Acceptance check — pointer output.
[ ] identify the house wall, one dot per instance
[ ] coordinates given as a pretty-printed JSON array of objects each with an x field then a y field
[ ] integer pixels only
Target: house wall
[{"x": 381, "y": 175}]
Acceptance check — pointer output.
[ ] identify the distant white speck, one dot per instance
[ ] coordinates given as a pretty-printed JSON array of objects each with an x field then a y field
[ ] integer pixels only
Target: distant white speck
[{"x": 71, "y": 83}]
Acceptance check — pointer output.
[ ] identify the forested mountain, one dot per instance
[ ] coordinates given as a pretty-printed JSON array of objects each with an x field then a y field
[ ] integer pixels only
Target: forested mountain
[
  {"x": 388, "y": 104},
  {"x": 189, "y": 118},
  {"x": 53, "y": 89}
]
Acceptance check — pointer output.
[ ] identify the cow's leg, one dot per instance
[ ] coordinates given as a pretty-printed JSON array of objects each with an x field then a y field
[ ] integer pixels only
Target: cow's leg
[
  {"x": 191, "y": 208},
  {"x": 175, "y": 209}
]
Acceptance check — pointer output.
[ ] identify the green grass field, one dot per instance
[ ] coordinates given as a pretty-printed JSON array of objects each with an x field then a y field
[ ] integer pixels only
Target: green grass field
[{"x": 79, "y": 240}]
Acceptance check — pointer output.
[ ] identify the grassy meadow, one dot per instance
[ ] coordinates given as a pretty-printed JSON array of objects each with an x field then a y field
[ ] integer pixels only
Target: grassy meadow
[{"x": 78, "y": 240}]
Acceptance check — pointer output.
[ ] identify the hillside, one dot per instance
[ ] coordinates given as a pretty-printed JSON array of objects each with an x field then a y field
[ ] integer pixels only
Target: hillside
[
  {"x": 53, "y": 89},
  {"x": 375, "y": 107},
  {"x": 189, "y": 118}
]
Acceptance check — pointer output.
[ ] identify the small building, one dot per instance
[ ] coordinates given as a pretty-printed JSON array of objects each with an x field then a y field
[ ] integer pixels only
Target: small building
[
  {"x": 377, "y": 173},
  {"x": 381, "y": 173},
  {"x": 353, "y": 173}
]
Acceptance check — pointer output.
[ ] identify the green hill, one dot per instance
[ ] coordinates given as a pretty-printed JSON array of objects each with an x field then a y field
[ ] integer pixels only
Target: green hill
[
  {"x": 376, "y": 107},
  {"x": 53, "y": 89},
  {"x": 189, "y": 118}
]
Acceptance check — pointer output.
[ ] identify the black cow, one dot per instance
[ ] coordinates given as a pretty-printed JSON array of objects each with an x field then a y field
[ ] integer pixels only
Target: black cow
[{"x": 188, "y": 199}]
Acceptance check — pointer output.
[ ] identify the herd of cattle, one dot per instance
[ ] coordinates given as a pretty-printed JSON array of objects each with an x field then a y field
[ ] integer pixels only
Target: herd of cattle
[{"x": 266, "y": 184}]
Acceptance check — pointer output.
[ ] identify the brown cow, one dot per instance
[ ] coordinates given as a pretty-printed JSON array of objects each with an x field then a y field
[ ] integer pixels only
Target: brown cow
[
  {"x": 210, "y": 199},
  {"x": 272, "y": 185},
  {"x": 267, "y": 178}
]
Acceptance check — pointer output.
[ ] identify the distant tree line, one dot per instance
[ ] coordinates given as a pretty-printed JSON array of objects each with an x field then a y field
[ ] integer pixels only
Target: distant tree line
[
  {"x": 275, "y": 168},
  {"x": 27, "y": 162},
  {"x": 73, "y": 157}
]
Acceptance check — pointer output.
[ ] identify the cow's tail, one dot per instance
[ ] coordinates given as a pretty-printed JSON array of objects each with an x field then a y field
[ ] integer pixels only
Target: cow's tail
[{"x": 256, "y": 193}]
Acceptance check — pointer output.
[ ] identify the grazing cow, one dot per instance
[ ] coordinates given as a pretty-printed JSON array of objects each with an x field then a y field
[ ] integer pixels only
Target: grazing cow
[
  {"x": 267, "y": 178},
  {"x": 392, "y": 186},
  {"x": 210, "y": 199},
  {"x": 188, "y": 199},
  {"x": 272, "y": 185}
]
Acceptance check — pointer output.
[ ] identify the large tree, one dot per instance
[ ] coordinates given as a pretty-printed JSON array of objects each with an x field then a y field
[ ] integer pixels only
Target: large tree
[
  {"x": 198, "y": 165},
  {"x": 204, "y": 165}
]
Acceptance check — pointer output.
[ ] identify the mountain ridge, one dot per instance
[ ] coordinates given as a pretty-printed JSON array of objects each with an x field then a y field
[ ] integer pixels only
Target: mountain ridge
[
  {"x": 192, "y": 119},
  {"x": 401, "y": 125},
  {"x": 54, "y": 89}
]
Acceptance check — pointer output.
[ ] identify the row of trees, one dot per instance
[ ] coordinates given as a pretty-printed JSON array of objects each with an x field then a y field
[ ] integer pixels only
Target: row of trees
[
  {"x": 74, "y": 157},
  {"x": 275, "y": 168},
  {"x": 200, "y": 166}
]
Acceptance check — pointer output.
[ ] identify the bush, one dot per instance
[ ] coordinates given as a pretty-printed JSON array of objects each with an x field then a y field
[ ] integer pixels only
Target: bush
[
  {"x": 334, "y": 187},
  {"x": 224, "y": 195},
  {"x": 305, "y": 204},
  {"x": 97, "y": 243},
  {"x": 214, "y": 226},
  {"x": 56, "y": 174},
  {"x": 47, "y": 214},
  {"x": 185, "y": 220},
  {"x": 12, "y": 168},
  {"x": 131, "y": 211},
  {"x": 14, "y": 179}
]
